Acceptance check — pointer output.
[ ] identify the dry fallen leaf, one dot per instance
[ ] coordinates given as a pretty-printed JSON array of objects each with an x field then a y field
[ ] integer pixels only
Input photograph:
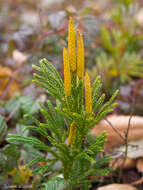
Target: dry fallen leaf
[
  {"x": 19, "y": 57},
  {"x": 117, "y": 163},
  {"x": 5, "y": 75},
  {"x": 135, "y": 140},
  {"x": 5, "y": 71},
  {"x": 139, "y": 17},
  {"x": 139, "y": 165},
  {"x": 117, "y": 187},
  {"x": 134, "y": 156},
  {"x": 135, "y": 149},
  {"x": 120, "y": 123}
]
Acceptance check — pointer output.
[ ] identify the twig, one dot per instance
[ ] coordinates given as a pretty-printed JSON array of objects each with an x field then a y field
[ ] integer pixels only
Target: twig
[
  {"x": 115, "y": 129},
  {"x": 125, "y": 139},
  {"x": 118, "y": 133},
  {"x": 126, "y": 142},
  {"x": 127, "y": 134}
]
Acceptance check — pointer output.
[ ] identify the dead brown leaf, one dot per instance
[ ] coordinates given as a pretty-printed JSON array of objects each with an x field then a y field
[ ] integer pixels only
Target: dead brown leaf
[
  {"x": 117, "y": 163},
  {"x": 139, "y": 165},
  {"x": 5, "y": 76},
  {"x": 19, "y": 57},
  {"x": 139, "y": 17},
  {"x": 120, "y": 123},
  {"x": 5, "y": 71}
]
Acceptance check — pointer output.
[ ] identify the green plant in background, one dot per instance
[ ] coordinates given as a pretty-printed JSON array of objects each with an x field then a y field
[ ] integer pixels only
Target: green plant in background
[
  {"x": 126, "y": 3},
  {"x": 79, "y": 107},
  {"x": 9, "y": 153},
  {"x": 118, "y": 62},
  {"x": 120, "y": 56}
]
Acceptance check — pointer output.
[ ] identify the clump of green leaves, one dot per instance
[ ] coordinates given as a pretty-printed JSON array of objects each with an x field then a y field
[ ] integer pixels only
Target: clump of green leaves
[
  {"x": 69, "y": 120},
  {"x": 119, "y": 46},
  {"x": 9, "y": 153},
  {"x": 119, "y": 61}
]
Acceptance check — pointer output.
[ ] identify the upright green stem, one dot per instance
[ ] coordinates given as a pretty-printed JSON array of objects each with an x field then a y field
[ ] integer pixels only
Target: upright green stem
[
  {"x": 74, "y": 87},
  {"x": 80, "y": 96},
  {"x": 74, "y": 79}
]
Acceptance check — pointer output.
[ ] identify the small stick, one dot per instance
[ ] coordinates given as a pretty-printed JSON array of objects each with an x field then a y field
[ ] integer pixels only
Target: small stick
[{"x": 115, "y": 129}]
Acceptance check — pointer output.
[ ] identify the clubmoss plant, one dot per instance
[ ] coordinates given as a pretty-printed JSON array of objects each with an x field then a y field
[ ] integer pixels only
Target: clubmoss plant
[{"x": 79, "y": 107}]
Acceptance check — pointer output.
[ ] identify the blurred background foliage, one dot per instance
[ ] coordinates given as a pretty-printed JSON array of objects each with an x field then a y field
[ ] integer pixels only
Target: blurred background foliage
[{"x": 113, "y": 38}]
